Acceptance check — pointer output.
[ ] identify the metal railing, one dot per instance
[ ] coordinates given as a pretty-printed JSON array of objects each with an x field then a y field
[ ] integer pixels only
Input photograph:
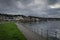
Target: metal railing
[{"x": 50, "y": 35}]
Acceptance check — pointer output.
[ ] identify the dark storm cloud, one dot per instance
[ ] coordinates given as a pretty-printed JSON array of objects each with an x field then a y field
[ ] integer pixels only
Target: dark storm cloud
[
  {"x": 20, "y": 6},
  {"x": 53, "y": 11},
  {"x": 6, "y": 2},
  {"x": 29, "y": 7},
  {"x": 12, "y": 2},
  {"x": 26, "y": 2},
  {"x": 54, "y": 8},
  {"x": 6, "y": 5},
  {"x": 11, "y": 5},
  {"x": 50, "y": 2}
]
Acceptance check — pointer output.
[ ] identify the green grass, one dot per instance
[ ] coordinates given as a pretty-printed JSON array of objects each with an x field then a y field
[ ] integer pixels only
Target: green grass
[{"x": 9, "y": 31}]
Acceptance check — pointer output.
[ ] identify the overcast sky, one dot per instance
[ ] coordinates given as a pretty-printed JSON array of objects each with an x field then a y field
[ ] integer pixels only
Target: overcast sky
[{"x": 41, "y": 8}]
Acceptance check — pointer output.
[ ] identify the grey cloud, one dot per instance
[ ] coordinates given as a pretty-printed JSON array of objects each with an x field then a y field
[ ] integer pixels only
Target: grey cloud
[
  {"x": 50, "y": 2},
  {"x": 28, "y": 7},
  {"x": 26, "y": 2},
  {"x": 53, "y": 13},
  {"x": 10, "y": 6}
]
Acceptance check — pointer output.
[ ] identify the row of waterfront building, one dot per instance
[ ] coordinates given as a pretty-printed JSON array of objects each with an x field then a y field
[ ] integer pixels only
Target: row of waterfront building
[
  {"x": 7, "y": 17},
  {"x": 22, "y": 18}
]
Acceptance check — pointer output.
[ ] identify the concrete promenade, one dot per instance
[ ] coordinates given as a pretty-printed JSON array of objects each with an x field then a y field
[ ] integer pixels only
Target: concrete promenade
[{"x": 27, "y": 33}]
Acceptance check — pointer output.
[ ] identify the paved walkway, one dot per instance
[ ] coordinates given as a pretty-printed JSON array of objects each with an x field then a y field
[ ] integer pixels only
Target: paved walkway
[{"x": 27, "y": 33}]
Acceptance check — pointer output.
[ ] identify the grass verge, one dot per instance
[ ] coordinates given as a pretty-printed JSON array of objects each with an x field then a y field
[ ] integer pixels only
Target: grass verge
[{"x": 9, "y": 31}]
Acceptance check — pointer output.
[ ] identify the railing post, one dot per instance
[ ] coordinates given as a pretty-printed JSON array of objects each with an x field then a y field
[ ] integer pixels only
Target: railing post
[
  {"x": 47, "y": 35},
  {"x": 56, "y": 35},
  {"x": 41, "y": 33}
]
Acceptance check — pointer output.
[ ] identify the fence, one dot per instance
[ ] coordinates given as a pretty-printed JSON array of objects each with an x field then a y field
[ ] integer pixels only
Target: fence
[
  {"x": 46, "y": 34},
  {"x": 49, "y": 35}
]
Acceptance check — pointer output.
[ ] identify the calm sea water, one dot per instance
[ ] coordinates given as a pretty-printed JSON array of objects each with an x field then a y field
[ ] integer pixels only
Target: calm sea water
[{"x": 42, "y": 27}]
